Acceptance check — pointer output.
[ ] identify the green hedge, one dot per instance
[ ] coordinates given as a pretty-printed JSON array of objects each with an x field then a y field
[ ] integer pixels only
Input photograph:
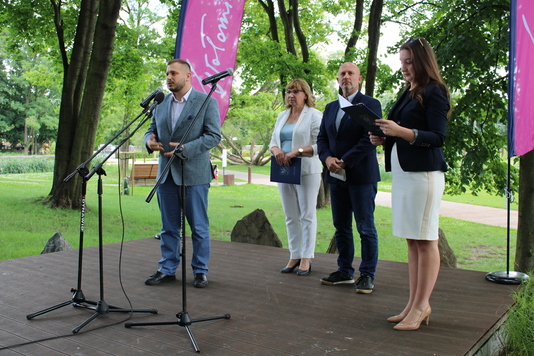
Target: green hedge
[{"x": 26, "y": 165}]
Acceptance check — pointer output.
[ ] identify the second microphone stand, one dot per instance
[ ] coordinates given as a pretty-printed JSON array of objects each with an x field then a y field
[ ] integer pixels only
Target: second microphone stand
[{"x": 182, "y": 318}]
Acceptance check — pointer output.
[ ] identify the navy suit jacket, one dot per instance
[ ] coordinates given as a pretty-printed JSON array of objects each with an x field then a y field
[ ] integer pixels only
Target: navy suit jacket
[
  {"x": 204, "y": 135},
  {"x": 426, "y": 153},
  {"x": 350, "y": 143}
]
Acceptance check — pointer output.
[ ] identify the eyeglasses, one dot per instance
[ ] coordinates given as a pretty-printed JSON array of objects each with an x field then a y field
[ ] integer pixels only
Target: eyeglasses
[
  {"x": 295, "y": 91},
  {"x": 412, "y": 41}
]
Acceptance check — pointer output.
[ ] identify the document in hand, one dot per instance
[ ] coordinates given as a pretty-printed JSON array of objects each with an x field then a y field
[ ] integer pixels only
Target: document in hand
[
  {"x": 286, "y": 174},
  {"x": 362, "y": 114}
]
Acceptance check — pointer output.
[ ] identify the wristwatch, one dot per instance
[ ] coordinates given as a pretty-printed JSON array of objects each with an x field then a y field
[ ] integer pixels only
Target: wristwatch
[{"x": 301, "y": 151}]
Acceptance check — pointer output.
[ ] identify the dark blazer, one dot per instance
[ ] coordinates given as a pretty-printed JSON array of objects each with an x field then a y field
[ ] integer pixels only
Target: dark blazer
[
  {"x": 204, "y": 135},
  {"x": 350, "y": 143},
  {"x": 426, "y": 153}
]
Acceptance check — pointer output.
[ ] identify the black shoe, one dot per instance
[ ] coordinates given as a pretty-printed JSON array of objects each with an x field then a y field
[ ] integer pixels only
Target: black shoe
[
  {"x": 201, "y": 280},
  {"x": 159, "y": 278},
  {"x": 337, "y": 278},
  {"x": 290, "y": 269},
  {"x": 301, "y": 272},
  {"x": 364, "y": 284}
]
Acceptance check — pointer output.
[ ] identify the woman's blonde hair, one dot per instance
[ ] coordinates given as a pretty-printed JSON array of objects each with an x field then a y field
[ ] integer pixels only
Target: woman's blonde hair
[{"x": 302, "y": 85}]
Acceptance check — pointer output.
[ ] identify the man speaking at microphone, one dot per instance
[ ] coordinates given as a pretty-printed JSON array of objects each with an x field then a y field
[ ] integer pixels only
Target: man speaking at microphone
[{"x": 170, "y": 121}]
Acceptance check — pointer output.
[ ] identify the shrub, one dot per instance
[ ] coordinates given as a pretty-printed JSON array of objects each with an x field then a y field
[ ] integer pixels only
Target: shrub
[
  {"x": 26, "y": 165},
  {"x": 518, "y": 327}
]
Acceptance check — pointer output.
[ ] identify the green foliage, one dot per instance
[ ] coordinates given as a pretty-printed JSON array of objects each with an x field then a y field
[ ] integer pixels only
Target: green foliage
[
  {"x": 29, "y": 97},
  {"x": 518, "y": 326},
  {"x": 251, "y": 118},
  {"x": 470, "y": 39},
  {"x": 26, "y": 165},
  {"x": 264, "y": 59}
]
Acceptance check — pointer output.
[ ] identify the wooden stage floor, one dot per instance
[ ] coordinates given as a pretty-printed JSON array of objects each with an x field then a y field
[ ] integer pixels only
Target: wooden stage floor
[{"x": 271, "y": 313}]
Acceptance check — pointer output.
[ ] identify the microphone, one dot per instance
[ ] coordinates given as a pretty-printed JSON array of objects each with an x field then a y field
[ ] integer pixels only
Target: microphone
[
  {"x": 152, "y": 95},
  {"x": 157, "y": 100},
  {"x": 218, "y": 76},
  {"x": 159, "y": 97}
]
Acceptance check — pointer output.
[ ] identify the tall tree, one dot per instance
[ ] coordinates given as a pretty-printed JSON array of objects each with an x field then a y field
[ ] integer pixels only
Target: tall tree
[
  {"x": 81, "y": 98},
  {"x": 84, "y": 32},
  {"x": 375, "y": 20}
]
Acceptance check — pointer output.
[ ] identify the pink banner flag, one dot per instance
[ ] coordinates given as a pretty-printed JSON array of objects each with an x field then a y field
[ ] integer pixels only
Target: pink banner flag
[
  {"x": 521, "y": 92},
  {"x": 207, "y": 38}
]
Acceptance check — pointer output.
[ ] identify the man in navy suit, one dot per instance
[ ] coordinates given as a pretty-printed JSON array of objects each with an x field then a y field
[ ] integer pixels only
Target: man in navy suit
[
  {"x": 170, "y": 121},
  {"x": 346, "y": 150}
]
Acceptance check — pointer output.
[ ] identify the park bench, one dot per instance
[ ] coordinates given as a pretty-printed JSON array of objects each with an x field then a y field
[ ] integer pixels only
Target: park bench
[{"x": 143, "y": 173}]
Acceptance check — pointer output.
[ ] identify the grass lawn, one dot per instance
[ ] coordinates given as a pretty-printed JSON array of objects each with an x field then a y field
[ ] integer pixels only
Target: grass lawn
[{"x": 27, "y": 224}]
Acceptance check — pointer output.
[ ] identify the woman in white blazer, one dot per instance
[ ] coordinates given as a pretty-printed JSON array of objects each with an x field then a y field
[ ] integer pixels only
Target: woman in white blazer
[{"x": 295, "y": 135}]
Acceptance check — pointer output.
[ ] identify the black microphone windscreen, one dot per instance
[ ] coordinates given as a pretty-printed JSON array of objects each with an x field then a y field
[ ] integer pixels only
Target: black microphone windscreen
[{"x": 159, "y": 97}]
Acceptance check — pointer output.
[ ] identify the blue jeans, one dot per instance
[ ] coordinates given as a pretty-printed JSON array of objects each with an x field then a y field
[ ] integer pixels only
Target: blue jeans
[
  {"x": 358, "y": 200},
  {"x": 196, "y": 213}
]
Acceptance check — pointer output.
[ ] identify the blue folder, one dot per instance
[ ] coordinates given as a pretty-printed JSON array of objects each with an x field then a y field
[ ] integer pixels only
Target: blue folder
[{"x": 286, "y": 174}]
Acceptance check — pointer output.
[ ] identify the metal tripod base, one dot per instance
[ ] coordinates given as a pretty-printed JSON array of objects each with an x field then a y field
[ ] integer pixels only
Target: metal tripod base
[
  {"x": 182, "y": 319},
  {"x": 507, "y": 277},
  {"x": 78, "y": 300}
]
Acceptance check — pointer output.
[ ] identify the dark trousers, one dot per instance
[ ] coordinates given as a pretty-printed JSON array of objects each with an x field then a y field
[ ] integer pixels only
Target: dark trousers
[{"x": 357, "y": 200}]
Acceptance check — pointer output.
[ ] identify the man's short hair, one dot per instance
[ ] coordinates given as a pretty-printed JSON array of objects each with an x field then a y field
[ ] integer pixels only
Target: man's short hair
[{"x": 181, "y": 61}]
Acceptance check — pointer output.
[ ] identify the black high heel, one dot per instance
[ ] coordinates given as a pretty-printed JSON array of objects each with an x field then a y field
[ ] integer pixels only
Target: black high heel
[
  {"x": 301, "y": 272},
  {"x": 290, "y": 269}
]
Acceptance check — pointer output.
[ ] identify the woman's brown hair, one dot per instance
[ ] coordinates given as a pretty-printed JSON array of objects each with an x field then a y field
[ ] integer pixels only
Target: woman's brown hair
[{"x": 425, "y": 66}]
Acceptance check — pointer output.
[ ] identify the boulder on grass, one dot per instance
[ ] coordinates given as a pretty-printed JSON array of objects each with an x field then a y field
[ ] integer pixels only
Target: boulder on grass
[
  {"x": 256, "y": 229},
  {"x": 56, "y": 243},
  {"x": 448, "y": 258}
]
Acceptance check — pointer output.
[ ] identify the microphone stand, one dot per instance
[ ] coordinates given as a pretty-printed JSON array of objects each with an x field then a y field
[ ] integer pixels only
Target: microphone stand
[
  {"x": 182, "y": 318},
  {"x": 78, "y": 298}
]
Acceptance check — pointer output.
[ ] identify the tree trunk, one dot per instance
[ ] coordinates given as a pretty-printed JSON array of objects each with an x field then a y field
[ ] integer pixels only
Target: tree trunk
[
  {"x": 81, "y": 99},
  {"x": 524, "y": 261},
  {"x": 300, "y": 34},
  {"x": 270, "y": 11},
  {"x": 375, "y": 19},
  {"x": 287, "y": 21},
  {"x": 356, "y": 30}
]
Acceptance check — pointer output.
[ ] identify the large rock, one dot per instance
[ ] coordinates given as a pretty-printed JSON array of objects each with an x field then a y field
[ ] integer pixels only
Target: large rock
[
  {"x": 448, "y": 258},
  {"x": 56, "y": 243},
  {"x": 255, "y": 228}
]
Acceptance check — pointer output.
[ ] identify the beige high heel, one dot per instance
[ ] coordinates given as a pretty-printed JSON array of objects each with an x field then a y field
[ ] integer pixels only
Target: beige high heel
[
  {"x": 404, "y": 326},
  {"x": 396, "y": 318}
]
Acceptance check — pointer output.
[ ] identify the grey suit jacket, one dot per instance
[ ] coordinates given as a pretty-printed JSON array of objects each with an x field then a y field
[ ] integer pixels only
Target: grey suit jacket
[{"x": 204, "y": 135}]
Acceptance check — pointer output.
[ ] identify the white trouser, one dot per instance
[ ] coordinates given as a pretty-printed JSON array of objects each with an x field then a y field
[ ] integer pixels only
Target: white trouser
[{"x": 299, "y": 202}]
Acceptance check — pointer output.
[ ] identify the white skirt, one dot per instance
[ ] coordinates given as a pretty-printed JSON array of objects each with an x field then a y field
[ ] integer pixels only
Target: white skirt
[{"x": 415, "y": 201}]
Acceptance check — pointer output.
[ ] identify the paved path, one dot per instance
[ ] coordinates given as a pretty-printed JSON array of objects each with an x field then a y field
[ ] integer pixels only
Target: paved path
[{"x": 468, "y": 212}]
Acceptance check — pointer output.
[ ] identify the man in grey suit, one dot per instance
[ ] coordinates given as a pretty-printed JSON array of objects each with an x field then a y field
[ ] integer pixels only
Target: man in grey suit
[{"x": 170, "y": 121}]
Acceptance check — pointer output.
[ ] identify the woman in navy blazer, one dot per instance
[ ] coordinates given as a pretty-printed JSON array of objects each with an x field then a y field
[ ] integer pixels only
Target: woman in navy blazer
[
  {"x": 295, "y": 135},
  {"x": 415, "y": 132}
]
